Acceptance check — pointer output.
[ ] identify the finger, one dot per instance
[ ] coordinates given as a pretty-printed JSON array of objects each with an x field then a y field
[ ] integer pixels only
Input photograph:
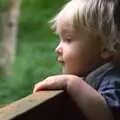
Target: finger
[
  {"x": 51, "y": 83},
  {"x": 38, "y": 87},
  {"x": 43, "y": 85}
]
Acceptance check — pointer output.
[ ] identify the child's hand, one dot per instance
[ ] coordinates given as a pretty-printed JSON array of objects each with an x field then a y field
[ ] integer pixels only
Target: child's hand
[{"x": 57, "y": 82}]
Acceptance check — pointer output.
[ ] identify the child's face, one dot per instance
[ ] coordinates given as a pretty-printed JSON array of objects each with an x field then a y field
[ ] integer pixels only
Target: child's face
[{"x": 78, "y": 51}]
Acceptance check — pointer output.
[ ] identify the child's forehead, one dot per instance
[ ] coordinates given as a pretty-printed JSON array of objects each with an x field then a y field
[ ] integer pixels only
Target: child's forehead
[
  {"x": 64, "y": 22},
  {"x": 64, "y": 25}
]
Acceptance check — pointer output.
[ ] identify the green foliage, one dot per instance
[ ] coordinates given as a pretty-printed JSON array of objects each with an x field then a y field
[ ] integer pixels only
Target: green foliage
[
  {"x": 3, "y": 5},
  {"x": 35, "y": 58}
]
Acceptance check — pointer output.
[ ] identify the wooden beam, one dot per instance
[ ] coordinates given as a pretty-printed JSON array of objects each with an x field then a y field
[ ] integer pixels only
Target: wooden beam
[{"x": 45, "y": 105}]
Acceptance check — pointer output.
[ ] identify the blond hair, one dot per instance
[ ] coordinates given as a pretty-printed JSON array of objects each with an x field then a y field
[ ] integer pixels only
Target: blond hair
[{"x": 98, "y": 16}]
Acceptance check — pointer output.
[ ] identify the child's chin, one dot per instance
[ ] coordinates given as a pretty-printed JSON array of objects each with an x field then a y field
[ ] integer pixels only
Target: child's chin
[
  {"x": 68, "y": 72},
  {"x": 64, "y": 71}
]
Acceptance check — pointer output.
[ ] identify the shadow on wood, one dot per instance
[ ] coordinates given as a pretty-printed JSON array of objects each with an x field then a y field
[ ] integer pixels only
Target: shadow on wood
[{"x": 47, "y": 105}]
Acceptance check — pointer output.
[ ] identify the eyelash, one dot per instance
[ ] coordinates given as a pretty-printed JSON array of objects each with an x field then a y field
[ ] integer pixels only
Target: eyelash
[{"x": 68, "y": 40}]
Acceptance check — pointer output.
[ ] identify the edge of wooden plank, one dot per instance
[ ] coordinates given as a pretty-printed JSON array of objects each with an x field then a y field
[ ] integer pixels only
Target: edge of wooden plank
[{"x": 16, "y": 108}]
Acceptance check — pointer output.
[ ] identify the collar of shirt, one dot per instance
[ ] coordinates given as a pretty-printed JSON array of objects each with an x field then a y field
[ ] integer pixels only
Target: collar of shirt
[{"x": 94, "y": 77}]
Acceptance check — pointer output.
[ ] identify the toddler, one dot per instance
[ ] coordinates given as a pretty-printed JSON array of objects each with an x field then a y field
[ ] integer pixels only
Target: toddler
[{"x": 89, "y": 52}]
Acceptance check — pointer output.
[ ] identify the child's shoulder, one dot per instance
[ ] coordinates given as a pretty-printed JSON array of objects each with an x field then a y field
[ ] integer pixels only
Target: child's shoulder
[
  {"x": 109, "y": 88},
  {"x": 104, "y": 75},
  {"x": 112, "y": 77}
]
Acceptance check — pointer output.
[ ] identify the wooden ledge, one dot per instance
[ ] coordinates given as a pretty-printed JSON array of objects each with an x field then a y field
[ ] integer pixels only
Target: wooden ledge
[{"x": 45, "y": 105}]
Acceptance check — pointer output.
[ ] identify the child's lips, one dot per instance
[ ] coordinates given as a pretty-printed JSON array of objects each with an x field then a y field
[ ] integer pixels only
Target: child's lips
[{"x": 60, "y": 61}]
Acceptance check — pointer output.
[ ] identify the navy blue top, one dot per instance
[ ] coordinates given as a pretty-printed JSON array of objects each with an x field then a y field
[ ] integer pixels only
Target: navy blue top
[{"x": 106, "y": 80}]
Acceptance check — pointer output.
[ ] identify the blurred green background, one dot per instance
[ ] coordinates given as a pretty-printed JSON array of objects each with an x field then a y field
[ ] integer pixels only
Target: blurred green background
[{"x": 35, "y": 57}]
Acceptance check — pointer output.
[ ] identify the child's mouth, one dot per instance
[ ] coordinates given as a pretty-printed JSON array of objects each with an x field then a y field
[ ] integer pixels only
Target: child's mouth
[{"x": 60, "y": 61}]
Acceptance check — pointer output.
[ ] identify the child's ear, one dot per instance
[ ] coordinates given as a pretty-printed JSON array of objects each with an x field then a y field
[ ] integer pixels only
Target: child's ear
[{"x": 106, "y": 54}]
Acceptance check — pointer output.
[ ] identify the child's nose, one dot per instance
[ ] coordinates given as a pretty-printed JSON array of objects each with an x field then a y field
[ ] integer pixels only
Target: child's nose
[{"x": 58, "y": 49}]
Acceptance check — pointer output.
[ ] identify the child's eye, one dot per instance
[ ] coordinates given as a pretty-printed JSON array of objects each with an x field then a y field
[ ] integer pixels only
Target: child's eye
[{"x": 68, "y": 40}]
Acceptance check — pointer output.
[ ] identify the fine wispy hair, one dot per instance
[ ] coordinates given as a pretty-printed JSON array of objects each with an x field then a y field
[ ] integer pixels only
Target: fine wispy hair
[{"x": 101, "y": 17}]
